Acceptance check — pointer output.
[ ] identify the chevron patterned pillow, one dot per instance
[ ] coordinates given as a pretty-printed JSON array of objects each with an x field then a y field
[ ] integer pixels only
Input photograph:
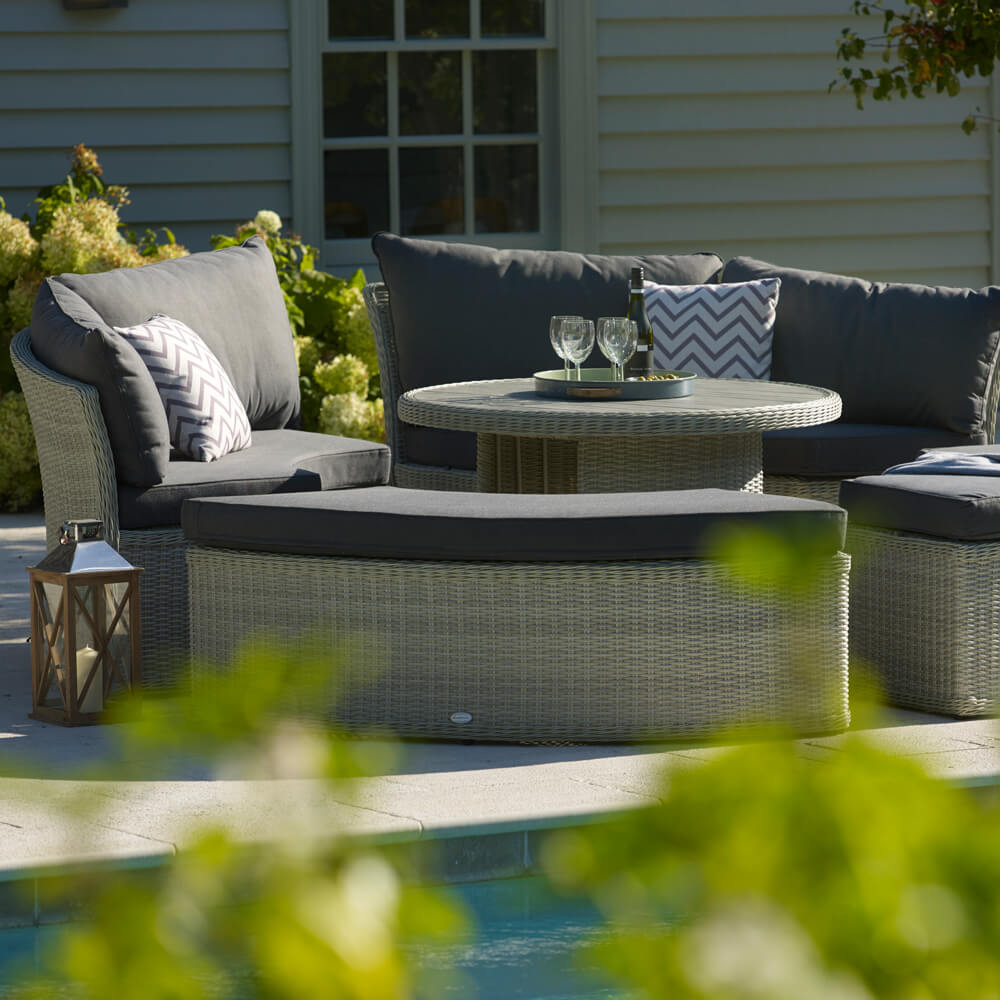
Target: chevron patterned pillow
[
  {"x": 717, "y": 331},
  {"x": 205, "y": 415}
]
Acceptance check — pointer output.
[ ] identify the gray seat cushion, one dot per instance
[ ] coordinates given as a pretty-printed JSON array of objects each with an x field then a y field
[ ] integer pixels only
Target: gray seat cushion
[
  {"x": 462, "y": 312},
  {"x": 392, "y": 523},
  {"x": 840, "y": 450},
  {"x": 231, "y": 298},
  {"x": 963, "y": 508},
  {"x": 285, "y": 461},
  {"x": 898, "y": 354}
]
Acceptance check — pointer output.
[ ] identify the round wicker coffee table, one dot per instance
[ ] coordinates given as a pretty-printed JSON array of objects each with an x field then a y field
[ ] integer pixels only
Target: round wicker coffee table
[{"x": 533, "y": 444}]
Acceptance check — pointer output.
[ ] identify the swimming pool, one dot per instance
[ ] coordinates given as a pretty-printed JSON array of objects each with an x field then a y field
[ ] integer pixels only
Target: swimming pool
[{"x": 524, "y": 948}]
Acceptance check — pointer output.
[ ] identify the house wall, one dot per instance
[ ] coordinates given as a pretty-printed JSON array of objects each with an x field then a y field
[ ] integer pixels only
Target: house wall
[
  {"x": 678, "y": 132},
  {"x": 716, "y": 131},
  {"x": 186, "y": 103}
]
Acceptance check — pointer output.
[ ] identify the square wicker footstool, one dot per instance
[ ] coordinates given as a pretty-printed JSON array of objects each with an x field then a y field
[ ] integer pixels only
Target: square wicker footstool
[
  {"x": 925, "y": 588},
  {"x": 499, "y": 617}
]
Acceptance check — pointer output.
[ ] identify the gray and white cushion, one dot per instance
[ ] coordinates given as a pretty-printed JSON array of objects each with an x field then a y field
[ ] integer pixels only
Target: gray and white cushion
[
  {"x": 717, "y": 330},
  {"x": 205, "y": 416}
]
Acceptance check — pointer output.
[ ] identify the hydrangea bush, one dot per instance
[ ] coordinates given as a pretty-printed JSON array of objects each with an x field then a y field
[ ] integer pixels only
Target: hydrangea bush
[
  {"x": 334, "y": 345},
  {"x": 76, "y": 229}
]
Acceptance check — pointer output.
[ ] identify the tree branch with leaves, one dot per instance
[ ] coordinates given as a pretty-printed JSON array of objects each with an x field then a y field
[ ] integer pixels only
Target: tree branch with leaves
[{"x": 928, "y": 46}]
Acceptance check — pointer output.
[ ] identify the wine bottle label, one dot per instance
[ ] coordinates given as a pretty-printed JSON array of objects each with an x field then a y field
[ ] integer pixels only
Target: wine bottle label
[{"x": 642, "y": 347}]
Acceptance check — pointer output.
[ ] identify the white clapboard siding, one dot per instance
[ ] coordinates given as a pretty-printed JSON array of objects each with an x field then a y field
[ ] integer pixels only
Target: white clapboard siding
[
  {"x": 717, "y": 132},
  {"x": 186, "y": 102}
]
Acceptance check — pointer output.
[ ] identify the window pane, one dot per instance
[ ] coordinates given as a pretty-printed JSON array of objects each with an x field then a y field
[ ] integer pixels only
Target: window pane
[
  {"x": 430, "y": 93},
  {"x": 431, "y": 184},
  {"x": 372, "y": 19},
  {"x": 504, "y": 92},
  {"x": 356, "y": 192},
  {"x": 437, "y": 18},
  {"x": 512, "y": 17},
  {"x": 506, "y": 189},
  {"x": 354, "y": 94}
]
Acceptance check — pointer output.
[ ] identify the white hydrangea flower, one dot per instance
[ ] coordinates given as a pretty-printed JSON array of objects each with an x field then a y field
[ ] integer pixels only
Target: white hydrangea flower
[
  {"x": 17, "y": 247},
  {"x": 267, "y": 220},
  {"x": 84, "y": 237},
  {"x": 344, "y": 413},
  {"x": 344, "y": 373}
]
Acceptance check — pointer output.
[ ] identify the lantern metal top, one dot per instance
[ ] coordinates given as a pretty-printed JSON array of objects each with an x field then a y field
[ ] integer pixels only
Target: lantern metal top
[{"x": 82, "y": 549}]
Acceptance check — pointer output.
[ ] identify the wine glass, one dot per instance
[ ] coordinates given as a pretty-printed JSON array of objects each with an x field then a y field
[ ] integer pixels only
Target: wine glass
[
  {"x": 617, "y": 337},
  {"x": 555, "y": 336},
  {"x": 577, "y": 341}
]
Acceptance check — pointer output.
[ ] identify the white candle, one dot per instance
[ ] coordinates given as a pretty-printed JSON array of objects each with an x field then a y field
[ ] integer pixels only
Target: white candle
[{"x": 94, "y": 699}]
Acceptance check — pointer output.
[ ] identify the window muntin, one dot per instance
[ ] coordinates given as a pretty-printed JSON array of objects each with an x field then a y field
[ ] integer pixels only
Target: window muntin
[{"x": 436, "y": 133}]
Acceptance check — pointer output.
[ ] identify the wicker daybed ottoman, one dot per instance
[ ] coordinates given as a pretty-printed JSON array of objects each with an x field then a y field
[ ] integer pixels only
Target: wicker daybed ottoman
[
  {"x": 925, "y": 588},
  {"x": 498, "y": 617}
]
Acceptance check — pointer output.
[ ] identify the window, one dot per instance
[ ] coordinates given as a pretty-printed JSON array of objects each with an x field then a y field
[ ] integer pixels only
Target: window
[{"x": 435, "y": 118}]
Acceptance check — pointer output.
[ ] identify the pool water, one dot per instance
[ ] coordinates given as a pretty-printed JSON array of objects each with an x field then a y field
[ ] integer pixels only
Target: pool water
[{"x": 524, "y": 948}]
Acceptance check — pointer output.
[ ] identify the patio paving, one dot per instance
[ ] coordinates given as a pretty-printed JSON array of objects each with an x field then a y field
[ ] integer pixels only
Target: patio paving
[{"x": 467, "y": 795}]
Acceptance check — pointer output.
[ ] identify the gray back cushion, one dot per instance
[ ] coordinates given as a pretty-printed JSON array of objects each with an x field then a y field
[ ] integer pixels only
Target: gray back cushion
[
  {"x": 462, "y": 312},
  {"x": 230, "y": 297},
  {"x": 896, "y": 353}
]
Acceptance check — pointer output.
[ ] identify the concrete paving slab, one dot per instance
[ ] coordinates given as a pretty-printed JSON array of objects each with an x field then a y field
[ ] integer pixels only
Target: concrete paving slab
[
  {"x": 60, "y": 824},
  {"x": 529, "y": 804},
  {"x": 934, "y": 737},
  {"x": 249, "y": 811}
]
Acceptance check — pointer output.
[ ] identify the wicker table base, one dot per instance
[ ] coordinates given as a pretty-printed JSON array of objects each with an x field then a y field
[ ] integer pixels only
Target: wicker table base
[
  {"x": 496, "y": 652},
  {"x": 518, "y": 464}
]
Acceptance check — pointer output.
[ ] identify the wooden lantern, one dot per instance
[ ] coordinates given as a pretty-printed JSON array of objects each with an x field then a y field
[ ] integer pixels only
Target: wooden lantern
[{"x": 84, "y": 628}]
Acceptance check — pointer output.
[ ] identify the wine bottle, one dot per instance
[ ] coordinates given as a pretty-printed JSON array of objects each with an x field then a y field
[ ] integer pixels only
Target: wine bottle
[{"x": 641, "y": 363}]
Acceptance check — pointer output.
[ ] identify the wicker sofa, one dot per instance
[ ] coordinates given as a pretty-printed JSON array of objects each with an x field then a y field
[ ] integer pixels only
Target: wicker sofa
[
  {"x": 915, "y": 366},
  {"x": 101, "y": 429}
]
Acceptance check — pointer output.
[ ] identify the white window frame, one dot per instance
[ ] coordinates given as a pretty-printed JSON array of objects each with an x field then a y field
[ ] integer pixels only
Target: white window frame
[{"x": 567, "y": 129}]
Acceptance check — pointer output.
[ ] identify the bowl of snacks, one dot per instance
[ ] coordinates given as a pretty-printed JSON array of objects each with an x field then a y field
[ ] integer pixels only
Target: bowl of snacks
[{"x": 597, "y": 384}]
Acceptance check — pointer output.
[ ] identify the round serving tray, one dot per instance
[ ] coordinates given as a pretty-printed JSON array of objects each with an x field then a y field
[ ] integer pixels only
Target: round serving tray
[{"x": 596, "y": 383}]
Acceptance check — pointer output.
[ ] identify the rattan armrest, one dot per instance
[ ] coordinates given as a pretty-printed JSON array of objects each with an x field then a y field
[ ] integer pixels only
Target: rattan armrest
[{"x": 77, "y": 466}]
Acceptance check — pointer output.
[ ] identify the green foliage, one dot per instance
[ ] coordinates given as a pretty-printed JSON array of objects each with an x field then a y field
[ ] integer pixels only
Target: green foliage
[
  {"x": 329, "y": 321},
  {"x": 763, "y": 874},
  {"x": 20, "y": 480},
  {"x": 307, "y": 914},
  {"x": 927, "y": 46},
  {"x": 76, "y": 228}
]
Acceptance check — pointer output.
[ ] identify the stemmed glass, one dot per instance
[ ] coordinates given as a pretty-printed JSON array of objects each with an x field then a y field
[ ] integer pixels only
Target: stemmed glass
[
  {"x": 555, "y": 336},
  {"x": 616, "y": 337},
  {"x": 577, "y": 341}
]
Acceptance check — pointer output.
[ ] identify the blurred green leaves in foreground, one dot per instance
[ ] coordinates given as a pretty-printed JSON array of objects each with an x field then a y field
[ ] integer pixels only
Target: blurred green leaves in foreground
[
  {"x": 766, "y": 875},
  {"x": 761, "y": 875}
]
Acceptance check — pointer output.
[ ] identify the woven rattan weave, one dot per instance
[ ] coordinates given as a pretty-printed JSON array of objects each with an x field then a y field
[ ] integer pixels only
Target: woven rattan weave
[
  {"x": 538, "y": 652},
  {"x": 925, "y": 617},
  {"x": 78, "y": 480},
  {"x": 827, "y": 489},
  {"x": 533, "y": 444},
  {"x": 405, "y": 472}
]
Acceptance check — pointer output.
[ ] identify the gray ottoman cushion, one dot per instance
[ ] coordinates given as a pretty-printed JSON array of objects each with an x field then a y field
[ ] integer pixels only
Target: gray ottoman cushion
[
  {"x": 231, "y": 298},
  {"x": 463, "y": 312},
  {"x": 964, "y": 508},
  {"x": 840, "y": 450},
  {"x": 285, "y": 461},
  {"x": 896, "y": 353},
  {"x": 392, "y": 523}
]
